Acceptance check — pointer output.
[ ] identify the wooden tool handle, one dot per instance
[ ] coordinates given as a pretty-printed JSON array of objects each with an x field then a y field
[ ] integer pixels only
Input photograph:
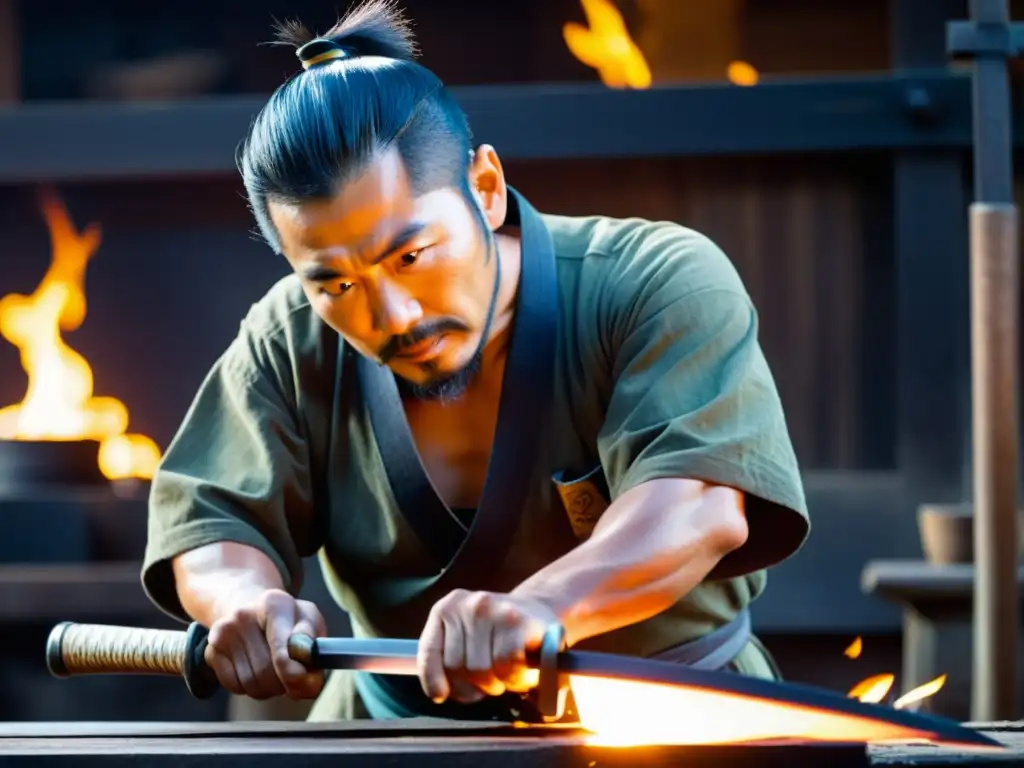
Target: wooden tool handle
[{"x": 83, "y": 649}]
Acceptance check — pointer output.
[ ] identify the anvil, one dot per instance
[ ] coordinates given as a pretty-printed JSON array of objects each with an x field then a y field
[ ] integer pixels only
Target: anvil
[{"x": 79, "y": 649}]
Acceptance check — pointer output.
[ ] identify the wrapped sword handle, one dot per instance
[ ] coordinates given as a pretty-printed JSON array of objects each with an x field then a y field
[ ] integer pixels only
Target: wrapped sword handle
[{"x": 83, "y": 649}]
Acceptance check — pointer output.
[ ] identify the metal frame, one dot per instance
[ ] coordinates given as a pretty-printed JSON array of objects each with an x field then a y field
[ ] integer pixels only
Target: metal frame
[{"x": 926, "y": 110}]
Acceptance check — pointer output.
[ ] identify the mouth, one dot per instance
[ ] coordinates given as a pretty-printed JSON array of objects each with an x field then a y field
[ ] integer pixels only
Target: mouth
[{"x": 422, "y": 350}]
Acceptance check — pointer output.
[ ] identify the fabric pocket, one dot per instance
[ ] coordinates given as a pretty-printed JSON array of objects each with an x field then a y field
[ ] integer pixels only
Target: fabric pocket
[{"x": 584, "y": 498}]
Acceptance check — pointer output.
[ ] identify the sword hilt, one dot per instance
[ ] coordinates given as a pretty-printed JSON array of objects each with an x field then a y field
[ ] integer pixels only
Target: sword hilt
[
  {"x": 98, "y": 649},
  {"x": 553, "y": 685}
]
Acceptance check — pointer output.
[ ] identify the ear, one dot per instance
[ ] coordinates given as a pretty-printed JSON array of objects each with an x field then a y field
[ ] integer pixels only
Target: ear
[{"x": 487, "y": 180}]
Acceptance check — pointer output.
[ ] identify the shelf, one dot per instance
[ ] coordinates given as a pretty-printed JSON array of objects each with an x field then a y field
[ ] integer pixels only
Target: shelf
[
  {"x": 79, "y": 592},
  {"x": 91, "y": 140}
]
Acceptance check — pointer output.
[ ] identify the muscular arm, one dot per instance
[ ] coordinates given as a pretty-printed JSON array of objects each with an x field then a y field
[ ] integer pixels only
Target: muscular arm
[
  {"x": 652, "y": 546},
  {"x": 215, "y": 580}
]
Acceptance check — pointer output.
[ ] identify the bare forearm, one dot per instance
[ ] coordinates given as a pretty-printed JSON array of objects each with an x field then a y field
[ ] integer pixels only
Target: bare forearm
[
  {"x": 652, "y": 546},
  {"x": 214, "y": 580}
]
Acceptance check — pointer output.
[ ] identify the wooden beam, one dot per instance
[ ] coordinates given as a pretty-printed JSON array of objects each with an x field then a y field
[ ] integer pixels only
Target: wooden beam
[{"x": 10, "y": 53}]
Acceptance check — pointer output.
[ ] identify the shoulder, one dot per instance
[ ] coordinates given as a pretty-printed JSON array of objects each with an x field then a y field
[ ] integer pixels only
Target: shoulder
[
  {"x": 278, "y": 332},
  {"x": 625, "y": 268}
]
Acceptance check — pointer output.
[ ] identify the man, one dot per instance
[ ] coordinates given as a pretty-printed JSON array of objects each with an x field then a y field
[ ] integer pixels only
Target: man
[{"x": 485, "y": 420}]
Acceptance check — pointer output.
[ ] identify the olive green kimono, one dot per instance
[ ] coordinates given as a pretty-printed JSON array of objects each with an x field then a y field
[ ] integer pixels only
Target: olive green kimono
[{"x": 657, "y": 373}]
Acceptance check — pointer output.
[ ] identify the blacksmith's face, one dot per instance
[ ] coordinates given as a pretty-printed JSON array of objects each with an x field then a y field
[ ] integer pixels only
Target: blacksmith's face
[{"x": 407, "y": 280}]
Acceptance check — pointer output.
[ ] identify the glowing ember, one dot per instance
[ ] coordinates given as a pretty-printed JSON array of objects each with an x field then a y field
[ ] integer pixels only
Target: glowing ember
[
  {"x": 853, "y": 651},
  {"x": 607, "y": 47},
  {"x": 921, "y": 692},
  {"x": 677, "y": 715},
  {"x": 872, "y": 690},
  {"x": 742, "y": 73},
  {"x": 59, "y": 402}
]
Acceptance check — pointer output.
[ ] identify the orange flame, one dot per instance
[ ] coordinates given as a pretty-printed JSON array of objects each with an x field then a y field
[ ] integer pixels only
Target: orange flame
[
  {"x": 605, "y": 45},
  {"x": 873, "y": 689},
  {"x": 742, "y": 73},
  {"x": 921, "y": 692},
  {"x": 853, "y": 651},
  {"x": 59, "y": 402}
]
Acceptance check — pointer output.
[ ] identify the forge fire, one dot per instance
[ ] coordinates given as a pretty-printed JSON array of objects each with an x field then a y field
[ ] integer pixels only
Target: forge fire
[{"x": 59, "y": 404}]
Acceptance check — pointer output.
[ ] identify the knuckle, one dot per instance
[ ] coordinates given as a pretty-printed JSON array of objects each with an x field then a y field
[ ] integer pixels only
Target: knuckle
[
  {"x": 455, "y": 597},
  {"x": 281, "y": 658},
  {"x": 480, "y": 604},
  {"x": 221, "y": 635},
  {"x": 507, "y": 615},
  {"x": 276, "y": 600},
  {"x": 245, "y": 617}
]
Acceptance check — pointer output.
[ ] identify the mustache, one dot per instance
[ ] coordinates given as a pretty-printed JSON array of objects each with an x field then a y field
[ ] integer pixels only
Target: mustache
[{"x": 396, "y": 344}]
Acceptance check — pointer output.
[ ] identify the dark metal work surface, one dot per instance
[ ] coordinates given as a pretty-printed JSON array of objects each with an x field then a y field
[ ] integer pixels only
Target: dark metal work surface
[
  {"x": 430, "y": 744},
  {"x": 86, "y": 140},
  {"x": 422, "y": 744}
]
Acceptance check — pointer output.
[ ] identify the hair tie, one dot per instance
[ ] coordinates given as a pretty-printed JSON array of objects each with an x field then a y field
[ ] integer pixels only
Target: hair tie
[{"x": 318, "y": 51}]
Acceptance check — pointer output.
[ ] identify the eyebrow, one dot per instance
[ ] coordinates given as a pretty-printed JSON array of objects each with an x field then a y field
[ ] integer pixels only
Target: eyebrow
[{"x": 321, "y": 274}]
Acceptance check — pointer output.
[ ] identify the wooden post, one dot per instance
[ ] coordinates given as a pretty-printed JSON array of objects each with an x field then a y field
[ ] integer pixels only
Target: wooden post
[{"x": 10, "y": 53}]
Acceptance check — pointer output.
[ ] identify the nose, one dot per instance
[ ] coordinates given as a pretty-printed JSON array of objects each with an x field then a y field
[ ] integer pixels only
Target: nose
[{"x": 392, "y": 310}]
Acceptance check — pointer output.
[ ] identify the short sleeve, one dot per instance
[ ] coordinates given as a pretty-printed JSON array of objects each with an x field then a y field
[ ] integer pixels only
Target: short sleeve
[
  {"x": 693, "y": 397},
  {"x": 237, "y": 470}
]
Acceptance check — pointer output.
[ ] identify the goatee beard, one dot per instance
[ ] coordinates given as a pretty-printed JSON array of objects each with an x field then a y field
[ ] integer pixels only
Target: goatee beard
[{"x": 444, "y": 390}]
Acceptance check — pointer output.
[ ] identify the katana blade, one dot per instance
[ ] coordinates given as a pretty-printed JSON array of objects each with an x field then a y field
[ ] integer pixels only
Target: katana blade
[
  {"x": 765, "y": 699},
  {"x": 608, "y": 688},
  {"x": 381, "y": 656}
]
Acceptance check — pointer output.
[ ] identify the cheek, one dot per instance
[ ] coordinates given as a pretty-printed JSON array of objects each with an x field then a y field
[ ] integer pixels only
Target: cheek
[
  {"x": 470, "y": 278},
  {"x": 338, "y": 319}
]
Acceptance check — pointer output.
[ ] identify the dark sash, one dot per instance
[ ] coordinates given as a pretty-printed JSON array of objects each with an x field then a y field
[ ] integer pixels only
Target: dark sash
[{"x": 468, "y": 557}]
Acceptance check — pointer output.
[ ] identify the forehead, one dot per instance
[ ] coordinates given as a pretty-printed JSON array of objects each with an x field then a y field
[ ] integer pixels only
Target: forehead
[{"x": 368, "y": 208}]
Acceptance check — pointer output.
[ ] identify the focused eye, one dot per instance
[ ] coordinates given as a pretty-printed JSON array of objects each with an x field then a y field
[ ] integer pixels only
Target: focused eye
[
  {"x": 336, "y": 289},
  {"x": 410, "y": 258}
]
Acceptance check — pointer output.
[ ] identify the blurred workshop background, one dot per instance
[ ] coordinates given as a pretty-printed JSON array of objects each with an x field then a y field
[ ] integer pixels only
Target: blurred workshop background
[{"x": 824, "y": 145}]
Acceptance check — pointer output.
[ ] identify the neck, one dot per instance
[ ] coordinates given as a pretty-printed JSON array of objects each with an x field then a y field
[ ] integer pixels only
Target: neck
[{"x": 510, "y": 257}]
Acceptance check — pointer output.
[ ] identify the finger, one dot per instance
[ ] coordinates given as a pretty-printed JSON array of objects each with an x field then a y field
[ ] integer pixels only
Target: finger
[
  {"x": 243, "y": 670},
  {"x": 257, "y": 653},
  {"x": 523, "y": 680},
  {"x": 224, "y": 670},
  {"x": 430, "y": 660},
  {"x": 454, "y": 645},
  {"x": 311, "y": 613},
  {"x": 308, "y": 682},
  {"x": 280, "y": 625},
  {"x": 464, "y": 692},
  {"x": 477, "y": 631},
  {"x": 509, "y": 653}
]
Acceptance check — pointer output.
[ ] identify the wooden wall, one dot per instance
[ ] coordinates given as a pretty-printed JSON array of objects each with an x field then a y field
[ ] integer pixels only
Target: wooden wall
[
  {"x": 812, "y": 240},
  {"x": 178, "y": 266}
]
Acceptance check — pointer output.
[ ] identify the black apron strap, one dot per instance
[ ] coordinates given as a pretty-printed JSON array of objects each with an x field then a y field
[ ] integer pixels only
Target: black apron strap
[
  {"x": 437, "y": 528},
  {"x": 470, "y": 558}
]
